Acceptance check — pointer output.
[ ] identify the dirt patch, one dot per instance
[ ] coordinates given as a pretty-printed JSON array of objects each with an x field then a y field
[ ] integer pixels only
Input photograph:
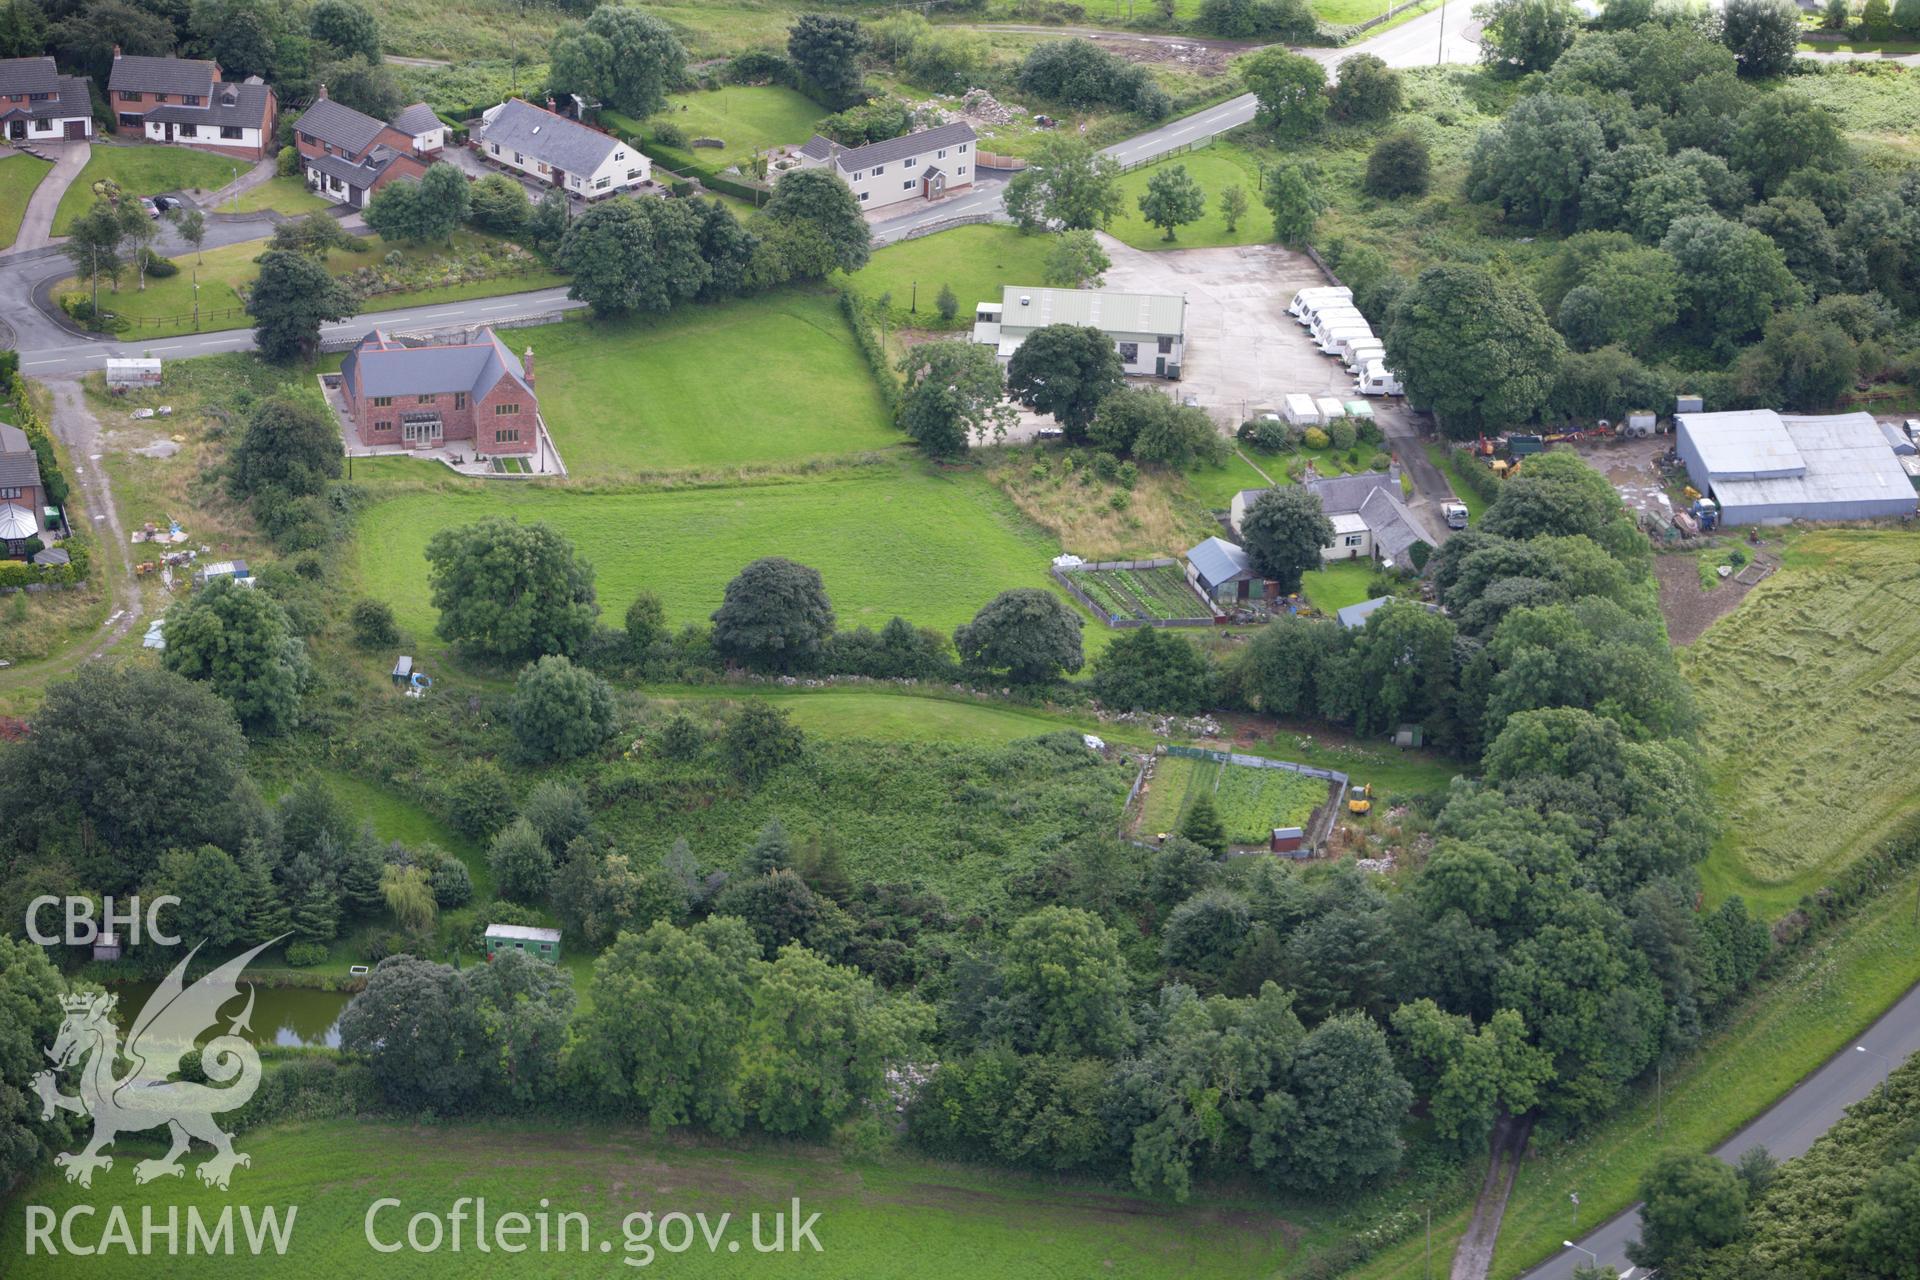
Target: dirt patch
[
  {"x": 1201, "y": 59},
  {"x": 1690, "y": 608}
]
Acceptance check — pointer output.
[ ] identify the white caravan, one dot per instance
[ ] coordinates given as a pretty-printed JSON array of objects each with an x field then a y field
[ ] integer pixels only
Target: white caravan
[
  {"x": 1331, "y": 339},
  {"x": 1360, "y": 353},
  {"x": 1308, "y": 297},
  {"x": 1331, "y": 316},
  {"x": 1379, "y": 381}
]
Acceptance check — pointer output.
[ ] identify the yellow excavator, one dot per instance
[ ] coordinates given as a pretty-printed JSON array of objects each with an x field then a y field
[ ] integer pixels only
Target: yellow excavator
[{"x": 1360, "y": 799}]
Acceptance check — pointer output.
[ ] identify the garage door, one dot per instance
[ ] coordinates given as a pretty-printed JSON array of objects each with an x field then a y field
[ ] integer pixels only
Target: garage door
[{"x": 76, "y": 128}]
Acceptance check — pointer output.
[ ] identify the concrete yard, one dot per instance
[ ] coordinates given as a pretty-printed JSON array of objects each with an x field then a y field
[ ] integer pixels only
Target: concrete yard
[{"x": 1243, "y": 352}]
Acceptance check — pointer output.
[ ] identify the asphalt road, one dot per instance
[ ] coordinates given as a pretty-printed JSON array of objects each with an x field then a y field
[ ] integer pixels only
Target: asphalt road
[{"x": 1787, "y": 1129}]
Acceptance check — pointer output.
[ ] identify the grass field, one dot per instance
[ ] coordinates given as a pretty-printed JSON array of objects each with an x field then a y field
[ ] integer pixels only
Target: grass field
[
  {"x": 1252, "y": 802},
  {"x": 1215, "y": 168},
  {"x": 974, "y": 261},
  {"x": 1214, "y": 484},
  {"x": 1338, "y": 585},
  {"x": 766, "y": 380},
  {"x": 888, "y": 540},
  {"x": 20, "y": 177},
  {"x": 876, "y": 1220},
  {"x": 1174, "y": 781},
  {"x": 744, "y": 117},
  {"x": 289, "y": 195},
  {"x": 165, "y": 307},
  {"x": 144, "y": 171},
  {"x": 1810, "y": 719}
]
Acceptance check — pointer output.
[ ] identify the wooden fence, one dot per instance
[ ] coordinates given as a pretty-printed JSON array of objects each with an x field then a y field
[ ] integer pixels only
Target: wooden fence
[{"x": 1118, "y": 623}]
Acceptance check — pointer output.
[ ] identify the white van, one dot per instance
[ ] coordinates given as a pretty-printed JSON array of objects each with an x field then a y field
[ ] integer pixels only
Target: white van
[
  {"x": 1331, "y": 339},
  {"x": 1306, "y": 298},
  {"x": 1359, "y": 353},
  {"x": 1330, "y": 316},
  {"x": 1379, "y": 381}
]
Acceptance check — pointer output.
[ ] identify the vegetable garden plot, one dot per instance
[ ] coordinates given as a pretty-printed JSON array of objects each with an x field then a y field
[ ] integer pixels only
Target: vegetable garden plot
[
  {"x": 1252, "y": 802},
  {"x": 1160, "y": 593}
]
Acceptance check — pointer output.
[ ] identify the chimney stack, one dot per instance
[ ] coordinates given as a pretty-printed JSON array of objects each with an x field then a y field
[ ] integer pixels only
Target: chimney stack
[
  {"x": 550, "y": 104},
  {"x": 321, "y": 93},
  {"x": 526, "y": 365},
  {"x": 116, "y": 53}
]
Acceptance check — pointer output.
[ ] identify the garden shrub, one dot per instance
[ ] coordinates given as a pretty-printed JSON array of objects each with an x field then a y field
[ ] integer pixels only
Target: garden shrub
[
  {"x": 1342, "y": 435},
  {"x": 1379, "y": 462},
  {"x": 302, "y": 955},
  {"x": 477, "y": 800},
  {"x": 1315, "y": 438},
  {"x": 669, "y": 134},
  {"x": 373, "y": 624}
]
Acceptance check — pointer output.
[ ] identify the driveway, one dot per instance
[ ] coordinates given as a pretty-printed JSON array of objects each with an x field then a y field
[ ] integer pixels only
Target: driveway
[{"x": 36, "y": 227}]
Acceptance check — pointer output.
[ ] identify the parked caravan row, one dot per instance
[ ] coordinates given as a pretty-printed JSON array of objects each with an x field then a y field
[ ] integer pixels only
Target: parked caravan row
[{"x": 1339, "y": 330}]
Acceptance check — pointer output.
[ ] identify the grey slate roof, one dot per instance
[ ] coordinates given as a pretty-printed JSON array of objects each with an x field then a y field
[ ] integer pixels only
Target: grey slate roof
[
  {"x": 1356, "y": 615},
  {"x": 28, "y": 75},
  {"x": 18, "y": 466},
  {"x": 1391, "y": 524},
  {"x": 359, "y": 173},
  {"x": 912, "y": 144},
  {"x": 552, "y": 139},
  {"x": 1219, "y": 561},
  {"x": 247, "y": 110},
  {"x": 418, "y": 118},
  {"x": 334, "y": 122},
  {"x": 818, "y": 147},
  {"x": 1340, "y": 495},
  {"x": 162, "y": 75},
  {"x": 379, "y": 366}
]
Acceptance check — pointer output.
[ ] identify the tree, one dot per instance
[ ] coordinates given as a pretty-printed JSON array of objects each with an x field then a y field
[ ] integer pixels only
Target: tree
[
  {"x": 345, "y": 28},
  {"x": 1075, "y": 260},
  {"x": 824, "y": 1040},
  {"x": 30, "y": 995},
  {"x": 1526, "y": 35},
  {"x": 414, "y": 1025},
  {"x": 1732, "y": 278},
  {"x": 1366, "y": 90},
  {"x": 292, "y": 297},
  {"x": 1067, "y": 982},
  {"x": 190, "y": 225},
  {"x": 1781, "y": 134},
  {"x": 1877, "y": 17},
  {"x": 1284, "y": 530},
  {"x": 1401, "y": 668},
  {"x": 1148, "y": 669},
  {"x": 1290, "y": 197},
  {"x": 23, "y": 30},
  {"x": 758, "y": 739},
  {"x": 624, "y": 56},
  {"x": 1172, "y": 199},
  {"x": 522, "y": 1007},
  {"x": 368, "y": 85},
  {"x": 1536, "y": 161},
  {"x": 1078, "y": 73},
  {"x": 1626, "y": 297},
  {"x": 1152, "y": 428},
  {"x": 239, "y": 641},
  {"x": 1883, "y": 1237},
  {"x": 815, "y": 203},
  {"x": 500, "y": 205},
  {"x": 521, "y": 864},
  {"x": 559, "y": 711},
  {"x": 697, "y": 981},
  {"x": 1763, "y": 34},
  {"x": 431, "y": 208},
  {"x": 1067, "y": 371},
  {"x": 93, "y": 245},
  {"x": 510, "y": 591},
  {"x": 1066, "y": 182},
  {"x": 1348, "y": 1103},
  {"x": 373, "y": 624},
  {"x": 631, "y": 256},
  {"x": 947, "y": 303},
  {"x": 1399, "y": 165},
  {"x": 646, "y": 623},
  {"x": 775, "y": 616},
  {"x": 1692, "y": 1203},
  {"x": 778, "y": 907},
  {"x": 1029, "y": 633},
  {"x": 291, "y": 447},
  {"x": 137, "y": 233},
  {"x": 240, "y": 35},
  {"x": 478, "y": 803},
  {"x": 956, "y": 397},
  {"x": 213, "y": 896},
  {"x": 1292, "y": 91},
  {"x": 827, "y": 48},
  {"x": 407, "y": 893},
  {"x": 1233, "y": 207},
  {"x": 580, "y": 62},
  {"x": 1804, "y": 361},
  {"x": 1476, "y": 350},
  {"x": 772, "y": 851},
  {"x": 1202, "y": 825}
]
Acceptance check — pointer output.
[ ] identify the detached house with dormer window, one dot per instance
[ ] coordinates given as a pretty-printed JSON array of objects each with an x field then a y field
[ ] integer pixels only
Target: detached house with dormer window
[
  {"x": 38, "y": 104},
  {"x": 184, "y": 101},
  {"x": 920, "y": 166},
  {"x": 348, "y": 155},
  {"x": 578, "y": 159}
]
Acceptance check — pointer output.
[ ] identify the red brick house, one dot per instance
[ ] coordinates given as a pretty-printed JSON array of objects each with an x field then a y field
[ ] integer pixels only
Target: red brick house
[
  {"x": 38, "y": 104},
  {"x": 22, "y": 494},
  {"x": 424, "y": 397},
  {"x": 348, "y": 155},
  {"x": 185, "y": 102}
]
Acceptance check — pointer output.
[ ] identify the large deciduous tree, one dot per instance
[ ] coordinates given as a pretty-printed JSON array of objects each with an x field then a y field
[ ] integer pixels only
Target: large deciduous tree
[
  {"x": 1294, "y": 204},
  {"x": 1172, "y": 199},
  {"x": 559, "y": 711},
  {"x": 1284, "y": 530},
  {"x": 956, "y": 397},
  {"x": 775, "y": 615},
  {"x": 415, "y": 1026},
  {"x": 827, "y": 48},
  {"x": 624, "y": 56},
  {"x": 291, "y": 446},
  {"x": 1292, "y": 90},
  {"x": 239, "y": 641},
  {"x": 1367, "y": 89},
  {"x": 1150, "y": 669},
  {"x": 291, "y": 298},
  {"x": 816, "y": 205},
  {"x": 345, "y": 28},
  {"x": 1691, "y": 1202},
  {"x": 1067, "y": 371},
  {"x": 1526, "y": 35},
  {"x": 631, "y": 256},
  {"x": 1763, "y": 34},
  {"x": 1029, "y": 633},
  {"x": 1732, "y": 278},
  {"x": 1476, "y": 350},
  {"x": 1065, "y": 182},
  {"x": 1067, "y": 982},
  {"x": 30, "y": 1016},
  {"x": 510, "y": 591}
]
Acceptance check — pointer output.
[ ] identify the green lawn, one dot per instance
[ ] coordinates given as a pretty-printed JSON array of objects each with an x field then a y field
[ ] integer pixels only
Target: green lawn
[
  {"x": 1214, "y": 484},
  {"x": 1815, "y": 664},
  {"x": 888, "y": 540},
  {"x": 903, "y": 1217},
  {"x": 765, "y": 380},
  {"x": 744, "y": 117},
  {"x": 289, "y": 195},
  {"x": 974, "y": 261},
  {"x": 143, "y": 170},
  {"x": 165, "y": 307},
  {"x": 20, "y": 177},
  {"x": 1215, "y": 168},
  {"x": 1338, "y": 585}
]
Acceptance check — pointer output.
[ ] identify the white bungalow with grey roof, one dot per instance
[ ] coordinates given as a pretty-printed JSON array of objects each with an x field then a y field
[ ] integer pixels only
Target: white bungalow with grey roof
[
  {"x": 918, "y": 166},
  {"x": 1762, "y": 467},
  {"x": 1149, "y": 330},
  {"x": 581, "y": 161},
  {"x": 1369, "y": 519}
]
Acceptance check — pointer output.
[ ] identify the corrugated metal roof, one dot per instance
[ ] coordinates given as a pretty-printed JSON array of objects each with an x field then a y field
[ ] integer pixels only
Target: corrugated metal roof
[
  {"x": 162, "y": 75},
  {"x": 859, "y": 159},
  {"x": 1846, "y": 460},
  {"x": 28, "y": 75},
  {"x": 1219, "y": 561},
  {"x": 522, "y": 933},
  {"x": 418, "y": 119},
  {"x": 1356, "y": 615},
  {"x": 552, "y": 139},
  {"x": 1742, "y": 444},
  {"x": 335, "y": 122},
  {"x": 1156, "y": 314}
]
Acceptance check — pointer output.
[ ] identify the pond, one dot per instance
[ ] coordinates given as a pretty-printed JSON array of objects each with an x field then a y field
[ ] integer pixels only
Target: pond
[{"x": 293, "y": 1017}]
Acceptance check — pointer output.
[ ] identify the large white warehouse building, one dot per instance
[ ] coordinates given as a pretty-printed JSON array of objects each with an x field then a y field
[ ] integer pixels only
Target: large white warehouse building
[{"x": 1762, "y": 467}]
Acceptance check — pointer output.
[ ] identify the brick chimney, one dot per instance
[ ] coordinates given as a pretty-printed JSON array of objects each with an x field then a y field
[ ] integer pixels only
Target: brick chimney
[
  {"x": 550, "y": 103},
  {"x": 116, "y": 53},
  {"x": 320, "y": 94},
  {"x": 526, "y": 365}
]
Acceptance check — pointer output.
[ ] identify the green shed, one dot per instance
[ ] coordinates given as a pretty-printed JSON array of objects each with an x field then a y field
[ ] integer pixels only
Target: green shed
[{"x": 544, "y": 943}]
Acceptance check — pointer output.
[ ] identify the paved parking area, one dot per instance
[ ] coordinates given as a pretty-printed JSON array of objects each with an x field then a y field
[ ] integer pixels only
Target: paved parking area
[{"x": 1244, "y": 352}]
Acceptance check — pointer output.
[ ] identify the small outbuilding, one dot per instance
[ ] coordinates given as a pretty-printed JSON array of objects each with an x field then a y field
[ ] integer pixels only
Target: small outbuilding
[
  {"x": 1355, "y": 616},
  {"x": 1289, "y": 840},
  {"x": 1219, "y": 570},
  {"x": 124, "y": 374},
  {"x": 544, "y": 943}
]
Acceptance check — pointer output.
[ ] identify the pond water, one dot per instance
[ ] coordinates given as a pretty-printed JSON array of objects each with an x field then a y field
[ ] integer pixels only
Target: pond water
[{"x": 295, "y": 1017}]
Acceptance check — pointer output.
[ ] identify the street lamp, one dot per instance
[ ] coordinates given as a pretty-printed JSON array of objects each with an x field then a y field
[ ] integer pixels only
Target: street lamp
[
  {"x": 1860, "y": 1048},
  {"x": 1590, "y": 1253}
]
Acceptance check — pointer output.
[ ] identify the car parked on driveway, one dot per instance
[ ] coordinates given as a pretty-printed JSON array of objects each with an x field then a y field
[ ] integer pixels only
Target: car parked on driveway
[
  {"x": 167, "y": 204},
  {"x": 153, "y": 210}
]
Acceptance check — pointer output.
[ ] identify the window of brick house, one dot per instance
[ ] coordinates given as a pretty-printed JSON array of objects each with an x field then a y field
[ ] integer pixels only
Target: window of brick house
[{"x": 505, "y": 410}]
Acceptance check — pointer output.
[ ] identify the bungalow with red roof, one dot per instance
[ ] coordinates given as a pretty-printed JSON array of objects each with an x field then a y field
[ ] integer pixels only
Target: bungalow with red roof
[
  {"x": 184, "y": 101},
  {"x": 422, "y": 397}
]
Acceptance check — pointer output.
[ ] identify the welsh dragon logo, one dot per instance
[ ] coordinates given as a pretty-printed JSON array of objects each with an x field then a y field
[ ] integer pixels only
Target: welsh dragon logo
[{"x": 151, "y": 1093}]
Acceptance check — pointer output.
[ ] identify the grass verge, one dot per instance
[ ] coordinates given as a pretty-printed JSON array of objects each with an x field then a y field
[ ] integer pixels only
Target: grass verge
[
  {"x": 288, "y": 195},
  {"x": 1215, "y": 168},
  {"x": 20, "y": 177}
]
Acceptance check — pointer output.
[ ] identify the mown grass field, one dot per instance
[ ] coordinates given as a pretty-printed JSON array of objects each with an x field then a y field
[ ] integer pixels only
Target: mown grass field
[
  {"x": 289, "y": 195},
  {"x": 20, "y": 176},
  {"x": 888, "y": 540},
  {"x": 760, "y": 381},
  {"x": 744, "y": 117},
  {"x": 1338, "y": 585},
  {"x": 904, "y": 1217},
  {"x": 1811, "y": 724},
  {"x": 1215, "y": 168},
  {"x": 975, "y": 262},
  {"x": 1164, "y": 803},
  {"x": 165, "y": 307},
  {"x": 143, "y": 170}
]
